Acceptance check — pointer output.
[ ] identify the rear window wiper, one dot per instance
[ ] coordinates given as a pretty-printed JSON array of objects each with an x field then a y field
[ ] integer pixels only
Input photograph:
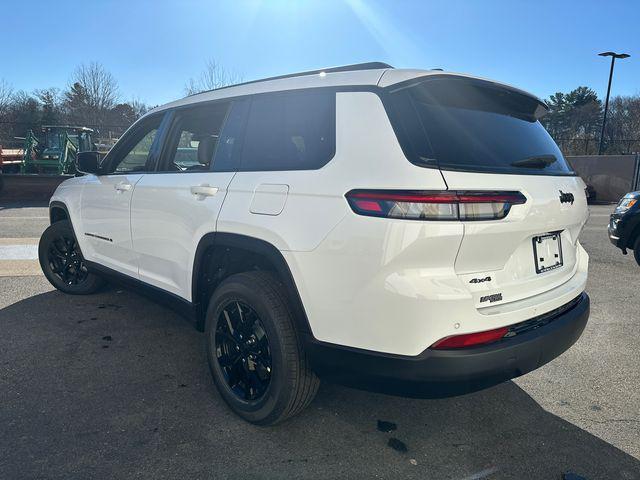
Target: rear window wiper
[{"x": 538, "y": 161}]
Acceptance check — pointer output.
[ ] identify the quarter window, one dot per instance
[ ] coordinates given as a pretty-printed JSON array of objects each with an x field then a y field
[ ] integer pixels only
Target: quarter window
[{"x": 292, "y": 131}]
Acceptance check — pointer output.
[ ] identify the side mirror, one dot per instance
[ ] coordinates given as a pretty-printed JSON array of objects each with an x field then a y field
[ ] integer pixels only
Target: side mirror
[{"x": 88, "y": 162}]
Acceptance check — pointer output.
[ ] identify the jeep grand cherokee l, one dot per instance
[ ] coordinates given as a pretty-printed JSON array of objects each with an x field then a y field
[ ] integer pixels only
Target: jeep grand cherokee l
[{"x": 407, "y": 231}]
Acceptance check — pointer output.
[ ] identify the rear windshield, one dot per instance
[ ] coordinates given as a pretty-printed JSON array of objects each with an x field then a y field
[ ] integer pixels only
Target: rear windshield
[{"x": 470, "y": 125}]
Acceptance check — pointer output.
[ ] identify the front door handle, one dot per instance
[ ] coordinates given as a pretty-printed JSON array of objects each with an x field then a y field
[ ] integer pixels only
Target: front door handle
[
  {"x": 202, "y": 191},
  {"x": 123, "y": 186}
]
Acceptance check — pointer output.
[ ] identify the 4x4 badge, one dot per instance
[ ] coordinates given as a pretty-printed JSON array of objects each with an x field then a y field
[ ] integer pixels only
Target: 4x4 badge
[
  {"x": 480, "y": 280},
  {"x": 566, "y": 197}
]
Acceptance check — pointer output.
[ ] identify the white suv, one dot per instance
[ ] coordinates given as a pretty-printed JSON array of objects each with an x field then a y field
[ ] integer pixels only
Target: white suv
[{"x": 407, "y": 231}]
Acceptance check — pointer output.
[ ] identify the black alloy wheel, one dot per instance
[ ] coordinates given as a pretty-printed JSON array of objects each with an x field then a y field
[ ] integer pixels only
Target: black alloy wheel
[
  {"x": 65, "y": 260},
  {"x": 242, "y": 351},
  {"x": 254, "y": 352},
  {"x": 62, "y": 261}
]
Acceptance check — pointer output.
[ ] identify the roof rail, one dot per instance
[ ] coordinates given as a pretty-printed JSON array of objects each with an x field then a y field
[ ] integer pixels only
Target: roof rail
[{"x": 343, "y": 68}]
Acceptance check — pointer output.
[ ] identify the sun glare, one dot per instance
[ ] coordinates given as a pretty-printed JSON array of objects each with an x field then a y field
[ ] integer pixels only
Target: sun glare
[{"x": 391, "y": 40}]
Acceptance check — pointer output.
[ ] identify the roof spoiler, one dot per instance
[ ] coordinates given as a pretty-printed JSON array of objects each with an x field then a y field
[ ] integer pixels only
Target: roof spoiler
[{"x": 532, "y": 106}]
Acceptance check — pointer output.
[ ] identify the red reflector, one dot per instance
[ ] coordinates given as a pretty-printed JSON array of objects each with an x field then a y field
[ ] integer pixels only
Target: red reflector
[
  {"x": 368, "y": 205},
  {"x": 470, "y": 339}
]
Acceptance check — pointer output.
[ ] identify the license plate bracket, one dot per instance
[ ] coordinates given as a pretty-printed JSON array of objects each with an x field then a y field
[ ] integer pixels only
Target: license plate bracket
[{"x": 547, "y": 251}]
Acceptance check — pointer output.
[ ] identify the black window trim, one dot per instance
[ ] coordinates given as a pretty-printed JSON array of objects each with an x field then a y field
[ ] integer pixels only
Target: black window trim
[{"x": 237, "y": 155}]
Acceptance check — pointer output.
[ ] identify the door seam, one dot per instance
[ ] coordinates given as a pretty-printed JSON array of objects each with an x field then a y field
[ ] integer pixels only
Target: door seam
[{"x": 133, "y": 248}]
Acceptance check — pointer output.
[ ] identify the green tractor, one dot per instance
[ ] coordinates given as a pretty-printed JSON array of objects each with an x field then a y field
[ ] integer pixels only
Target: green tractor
[{"x": 56, "y": 151}]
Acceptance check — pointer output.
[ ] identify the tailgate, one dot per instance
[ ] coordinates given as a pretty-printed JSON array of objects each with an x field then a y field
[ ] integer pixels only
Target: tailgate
[{"x": 514, "y": 258}]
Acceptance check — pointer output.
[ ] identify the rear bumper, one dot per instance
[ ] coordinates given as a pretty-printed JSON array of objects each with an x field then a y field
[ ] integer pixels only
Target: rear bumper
[{"x": 441, "y": 373}]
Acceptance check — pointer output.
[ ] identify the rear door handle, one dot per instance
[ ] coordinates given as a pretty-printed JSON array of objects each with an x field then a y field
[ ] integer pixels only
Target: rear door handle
[
  {"x": 202, "y": 191},
  {"x": 123, "y": 187}
]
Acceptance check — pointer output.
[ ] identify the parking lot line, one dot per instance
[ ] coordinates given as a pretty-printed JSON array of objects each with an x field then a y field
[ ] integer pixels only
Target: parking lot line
[
  {"x": 18, "y": 252},
  {"x": 19, "y": 257}
]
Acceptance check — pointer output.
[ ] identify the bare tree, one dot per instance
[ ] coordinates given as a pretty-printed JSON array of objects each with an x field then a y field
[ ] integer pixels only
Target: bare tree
[
  {"x": 622, "y": 132},
  {"x": 51, "y": 103},
  {"x": 6, "y": 96},
  {"x": 99, "y": 86},
  {"x": 6, "y": 100},
  {"x": 138, "y": 107},
  {"x": 213, "y": 76}
]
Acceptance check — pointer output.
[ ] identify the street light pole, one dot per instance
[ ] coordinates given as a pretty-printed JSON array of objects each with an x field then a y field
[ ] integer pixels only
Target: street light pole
[{"x": 613, "y": 56}]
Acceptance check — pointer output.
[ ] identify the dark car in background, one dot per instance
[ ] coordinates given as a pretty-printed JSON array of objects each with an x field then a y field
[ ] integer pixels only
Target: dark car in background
[{"x": 624, "y": 224}]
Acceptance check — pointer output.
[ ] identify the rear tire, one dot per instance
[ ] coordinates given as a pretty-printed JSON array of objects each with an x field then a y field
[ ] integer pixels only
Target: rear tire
[
  {"x": 62, "y": 262},
  {"x": 636, "y": 249},
  {"x": 255, "y": 357}
]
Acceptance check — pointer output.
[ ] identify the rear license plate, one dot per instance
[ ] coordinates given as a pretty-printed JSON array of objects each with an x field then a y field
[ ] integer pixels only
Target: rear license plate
[{"x": 547, "y": 252}]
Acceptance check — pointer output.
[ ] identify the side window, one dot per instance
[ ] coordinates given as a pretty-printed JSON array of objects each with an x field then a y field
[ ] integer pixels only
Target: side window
[
  {"x": 135, "y": 153},
  {"x": 136, "y": 159},
  {"x": 194, "y": 138},
  {"x": 291, "y": 131}
]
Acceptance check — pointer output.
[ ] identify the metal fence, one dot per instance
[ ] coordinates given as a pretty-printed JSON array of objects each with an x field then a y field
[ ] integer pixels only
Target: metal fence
[
  {"x": 589, "y": 146},
  {"x": 609, "y": 177}
]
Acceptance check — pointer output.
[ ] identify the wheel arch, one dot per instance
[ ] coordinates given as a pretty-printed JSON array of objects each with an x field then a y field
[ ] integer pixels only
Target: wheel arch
[
  {"x": 635, "y": 232},
  {"x": 211, "y": 266},
  {"x": 58, "y": 211}
]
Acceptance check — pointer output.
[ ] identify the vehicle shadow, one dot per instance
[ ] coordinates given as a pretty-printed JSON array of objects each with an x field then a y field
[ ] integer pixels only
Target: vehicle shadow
[{"x": 115, "y": 386}]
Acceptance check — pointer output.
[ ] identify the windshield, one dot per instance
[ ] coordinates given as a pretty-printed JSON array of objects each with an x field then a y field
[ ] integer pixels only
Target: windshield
[
  {"x": 53, "y": 140},
  {"x": 74, "y": 139},
  {"x": 461, "y": 124}
]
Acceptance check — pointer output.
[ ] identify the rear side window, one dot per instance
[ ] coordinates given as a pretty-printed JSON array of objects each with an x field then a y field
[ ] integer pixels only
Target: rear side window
[
  {"x": 291, "y": 131},
  {"x": 460, "y": 124},
  {"x": 193, "y": 138}
]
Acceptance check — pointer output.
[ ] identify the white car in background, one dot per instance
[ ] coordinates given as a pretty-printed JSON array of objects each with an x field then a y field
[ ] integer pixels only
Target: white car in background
[{"x": 407, "y": 231}]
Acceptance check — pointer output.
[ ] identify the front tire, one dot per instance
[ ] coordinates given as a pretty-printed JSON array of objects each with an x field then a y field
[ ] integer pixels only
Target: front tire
[
  {"x": 62, "y": 262},
  {"x": 636, "y": 250},
  {"x": 256, "y": 359}
]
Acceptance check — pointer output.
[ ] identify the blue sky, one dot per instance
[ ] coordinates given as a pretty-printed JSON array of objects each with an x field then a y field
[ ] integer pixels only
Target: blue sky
[{"x": 153, "y": 47}]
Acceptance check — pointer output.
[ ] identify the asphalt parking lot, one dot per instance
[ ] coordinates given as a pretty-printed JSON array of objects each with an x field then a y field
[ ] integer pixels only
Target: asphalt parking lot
[{"x": 115, "y": 386}]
